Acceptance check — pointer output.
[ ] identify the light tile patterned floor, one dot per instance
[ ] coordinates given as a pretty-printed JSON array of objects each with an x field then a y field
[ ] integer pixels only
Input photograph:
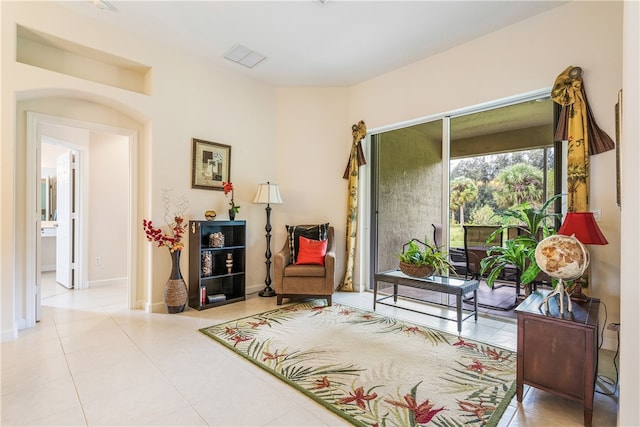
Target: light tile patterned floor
[{"x": 92, "y": 362}]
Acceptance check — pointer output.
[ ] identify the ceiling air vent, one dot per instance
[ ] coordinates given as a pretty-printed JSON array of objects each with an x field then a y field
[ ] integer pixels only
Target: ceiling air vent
[{"x": 244, "y": 56}]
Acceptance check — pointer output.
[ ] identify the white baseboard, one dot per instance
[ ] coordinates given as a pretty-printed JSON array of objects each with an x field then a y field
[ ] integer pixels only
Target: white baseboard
[
  {"x": 157, "y": 307},
  {"x": 610, "y": 342},
  {"x": 9, "y": 334},
  {"x": 118, "y": 281},
  {"x": 48, "y": 267},
  {"x": 253, "y": 289}
]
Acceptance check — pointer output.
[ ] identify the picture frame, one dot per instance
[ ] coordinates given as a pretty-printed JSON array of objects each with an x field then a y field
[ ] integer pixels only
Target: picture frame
[
  {"x": 618, "y": 138},
  {"x": 211, "y": 165}
]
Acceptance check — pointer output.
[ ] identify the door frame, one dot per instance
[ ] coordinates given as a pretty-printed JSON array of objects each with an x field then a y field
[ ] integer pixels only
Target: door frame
[{"x": 34, "y": 120}]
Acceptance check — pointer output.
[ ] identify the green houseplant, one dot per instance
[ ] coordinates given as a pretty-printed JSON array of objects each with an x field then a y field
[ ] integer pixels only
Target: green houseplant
[
  {"x": 421, "y": 259},
  {"x": 532, "y": 226}
]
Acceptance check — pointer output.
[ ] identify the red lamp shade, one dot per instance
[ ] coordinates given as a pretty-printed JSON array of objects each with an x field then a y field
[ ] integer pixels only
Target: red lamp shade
[{"x": 584, "y": 227}]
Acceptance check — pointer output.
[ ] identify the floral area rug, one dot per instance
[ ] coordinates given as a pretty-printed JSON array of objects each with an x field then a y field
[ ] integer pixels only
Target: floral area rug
[{"x": 375, "y": 370}]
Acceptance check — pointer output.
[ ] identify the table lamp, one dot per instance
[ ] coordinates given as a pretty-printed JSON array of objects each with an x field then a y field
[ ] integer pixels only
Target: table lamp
[
  {"x": 268, "y": 194},
  {"x": 583, "y": 226}
]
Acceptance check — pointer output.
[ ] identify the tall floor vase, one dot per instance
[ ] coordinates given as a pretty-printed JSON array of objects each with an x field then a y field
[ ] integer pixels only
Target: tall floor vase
[{"x": 175, "y": 291}]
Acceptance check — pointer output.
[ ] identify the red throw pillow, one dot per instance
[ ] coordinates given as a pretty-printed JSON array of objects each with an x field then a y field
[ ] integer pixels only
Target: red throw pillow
[
  {"x": 315, "y": 232},
  {"x": 311, "y": 251}
]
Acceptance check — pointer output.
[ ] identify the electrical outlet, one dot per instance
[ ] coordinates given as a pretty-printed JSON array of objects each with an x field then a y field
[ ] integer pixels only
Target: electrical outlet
[
  {"x": 98, "y": 260},
  {"x": 597, "y": 214}
]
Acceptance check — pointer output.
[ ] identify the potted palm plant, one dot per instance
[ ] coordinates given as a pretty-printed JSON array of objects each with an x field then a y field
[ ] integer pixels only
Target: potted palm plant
[
  {"x": 532, "y": 225},
  {"x": 419, "y": 259}
]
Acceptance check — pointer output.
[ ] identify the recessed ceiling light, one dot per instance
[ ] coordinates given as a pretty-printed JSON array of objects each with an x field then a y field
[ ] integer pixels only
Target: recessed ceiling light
[{"x": 244, "y": 56}]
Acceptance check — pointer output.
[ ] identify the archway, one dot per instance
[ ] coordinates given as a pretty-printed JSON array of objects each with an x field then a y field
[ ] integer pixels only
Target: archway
[{"x": 98, "y": 121}]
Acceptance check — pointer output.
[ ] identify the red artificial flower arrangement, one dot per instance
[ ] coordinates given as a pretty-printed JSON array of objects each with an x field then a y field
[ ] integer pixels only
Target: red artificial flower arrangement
[
  {"x": 228, "y": 188},
  {"x": 172, "y": 239}
]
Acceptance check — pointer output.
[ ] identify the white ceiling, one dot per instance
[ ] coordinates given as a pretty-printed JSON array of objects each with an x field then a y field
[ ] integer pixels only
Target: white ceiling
[{"x": 314, "y": 43}]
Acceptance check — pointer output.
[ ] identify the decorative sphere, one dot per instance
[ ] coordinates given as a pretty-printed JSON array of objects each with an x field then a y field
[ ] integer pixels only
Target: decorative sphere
[
  {"x": 562, "y": 257},
  {"x": 210, "y": 215}
]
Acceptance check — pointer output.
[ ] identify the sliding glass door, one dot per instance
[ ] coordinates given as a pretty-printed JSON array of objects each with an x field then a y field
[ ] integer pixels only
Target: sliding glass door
[
  {"x": 407, "y": 169},
  {"x": 500, "y": 158},
  {"x": 413, "y": 172}
]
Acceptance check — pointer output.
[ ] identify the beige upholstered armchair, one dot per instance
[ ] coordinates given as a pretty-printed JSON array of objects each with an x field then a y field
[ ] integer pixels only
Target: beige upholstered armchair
[{"x": 308, "y": 281}]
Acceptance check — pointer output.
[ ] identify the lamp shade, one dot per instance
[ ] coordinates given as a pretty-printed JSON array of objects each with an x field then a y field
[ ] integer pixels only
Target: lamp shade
[
  {"x": 583, "y": 226},
  {"x": 268, "y": 194}
]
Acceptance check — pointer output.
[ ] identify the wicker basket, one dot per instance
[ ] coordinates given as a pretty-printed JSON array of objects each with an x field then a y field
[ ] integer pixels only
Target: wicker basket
[{"x": 416, "y": 270}]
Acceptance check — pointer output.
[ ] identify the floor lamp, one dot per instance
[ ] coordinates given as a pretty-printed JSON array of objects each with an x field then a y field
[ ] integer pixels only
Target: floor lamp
[{"x": 268, "y": 194}]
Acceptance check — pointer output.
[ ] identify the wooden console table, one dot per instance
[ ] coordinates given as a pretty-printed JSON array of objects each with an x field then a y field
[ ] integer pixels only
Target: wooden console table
[
  {"x": 557, "y": 352},
  {"x": 442, "y": 284}
]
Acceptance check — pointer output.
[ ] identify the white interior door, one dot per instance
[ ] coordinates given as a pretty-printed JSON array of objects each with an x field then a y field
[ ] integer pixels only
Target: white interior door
[{"x": 65, "y": 220}]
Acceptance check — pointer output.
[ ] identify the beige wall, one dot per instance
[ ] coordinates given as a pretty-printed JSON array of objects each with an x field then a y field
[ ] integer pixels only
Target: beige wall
[
  {"x": 108, "y": 210},
  {"x": 311, "y": 153}
]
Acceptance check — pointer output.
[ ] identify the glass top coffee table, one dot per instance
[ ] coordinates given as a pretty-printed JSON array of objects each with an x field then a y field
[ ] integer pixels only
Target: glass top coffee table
[{"x": 442, "y": 284}]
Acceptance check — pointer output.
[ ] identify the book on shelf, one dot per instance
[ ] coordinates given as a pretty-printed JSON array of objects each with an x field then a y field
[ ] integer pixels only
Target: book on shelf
[{"x": 216, "y": 298}]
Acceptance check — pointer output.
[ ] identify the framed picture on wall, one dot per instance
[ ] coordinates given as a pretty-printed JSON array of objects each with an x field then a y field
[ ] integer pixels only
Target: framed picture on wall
[{"x": 211, "y": 165}]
